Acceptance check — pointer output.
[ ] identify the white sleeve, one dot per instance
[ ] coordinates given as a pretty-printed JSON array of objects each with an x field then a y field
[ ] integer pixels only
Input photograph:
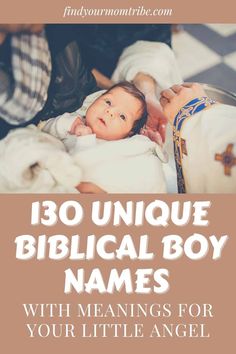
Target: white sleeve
[
  {"x": 123, "y": 166},
  {"x": 209, "y": 135},
  {"x": 151, "y": 58},
  {"x": 60, "y": 126}
]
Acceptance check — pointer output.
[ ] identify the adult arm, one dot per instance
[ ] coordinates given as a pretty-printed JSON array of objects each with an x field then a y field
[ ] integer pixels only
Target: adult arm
[
  {"x": 90, "y": 188},
  {"x": 156, "y": 124},
  {"x": 103, "y": 81},
  {"x": 204, "y": 139}
]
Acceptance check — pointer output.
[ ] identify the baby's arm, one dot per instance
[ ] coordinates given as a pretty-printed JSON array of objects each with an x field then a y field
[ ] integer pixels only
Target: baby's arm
[
  {"x": 67, "y": 123},
  {"x": 60, "y": 126}
]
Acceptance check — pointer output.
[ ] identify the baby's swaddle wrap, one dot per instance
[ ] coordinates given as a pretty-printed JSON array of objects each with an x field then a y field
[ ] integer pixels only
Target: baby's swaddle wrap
[{"x": 129, "y": 165}]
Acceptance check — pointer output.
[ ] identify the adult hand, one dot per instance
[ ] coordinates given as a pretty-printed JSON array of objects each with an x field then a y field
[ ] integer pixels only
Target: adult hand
[
  {"x": 103, "y": 82},
  {"x": 176, "y": 97},
  {"x": 156, "y": 123},
  {"x": 91, "y": 188}
]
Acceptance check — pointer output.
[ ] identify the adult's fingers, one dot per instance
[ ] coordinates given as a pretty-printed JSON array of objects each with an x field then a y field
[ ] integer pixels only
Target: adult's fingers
[
  {"x": 191, "y": 84},
  {"x": 176, "y": 88},
  {"x": 196, "y": 88},
  {"x": 163, "y": 101},
  {"x": 169, "y": 94}
]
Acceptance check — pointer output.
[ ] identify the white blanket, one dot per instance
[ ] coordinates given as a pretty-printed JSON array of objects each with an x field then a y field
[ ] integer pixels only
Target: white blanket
[
  {"x": 34, "y": 162},
  {"x": 129, "y": 165}
]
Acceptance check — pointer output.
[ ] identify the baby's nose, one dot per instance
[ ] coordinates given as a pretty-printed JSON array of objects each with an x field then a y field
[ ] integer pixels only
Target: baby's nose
[{"x": 111, "y": 113}]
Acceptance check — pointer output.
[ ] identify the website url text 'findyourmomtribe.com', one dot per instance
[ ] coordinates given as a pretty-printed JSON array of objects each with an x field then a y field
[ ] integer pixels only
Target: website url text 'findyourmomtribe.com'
[{"x": 84, "y": 12}]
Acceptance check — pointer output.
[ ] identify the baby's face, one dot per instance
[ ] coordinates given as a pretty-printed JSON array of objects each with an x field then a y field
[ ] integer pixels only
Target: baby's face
[{"x": 112, "y": 115}]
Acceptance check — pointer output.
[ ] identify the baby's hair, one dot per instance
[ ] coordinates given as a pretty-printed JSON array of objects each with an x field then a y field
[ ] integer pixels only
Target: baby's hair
[{"x": 135, "y": 92}]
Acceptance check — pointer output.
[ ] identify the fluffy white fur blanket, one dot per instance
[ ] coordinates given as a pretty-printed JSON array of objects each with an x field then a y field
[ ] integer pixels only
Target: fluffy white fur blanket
[{"x": 35, "y": 162}]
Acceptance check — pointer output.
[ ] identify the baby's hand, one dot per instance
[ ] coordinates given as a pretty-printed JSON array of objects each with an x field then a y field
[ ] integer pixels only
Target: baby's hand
[
  {"x": 152, "y": 134},
  {"x": 82, "y": 130},
  {"x": 176, "y": 97},
  {"x": 78, "y": 128}
]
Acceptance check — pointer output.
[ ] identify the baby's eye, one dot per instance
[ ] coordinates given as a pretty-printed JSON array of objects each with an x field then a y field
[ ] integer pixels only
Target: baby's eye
[
  {"x": 122, "y": 116},
  {"x": 108, "y": 102}
]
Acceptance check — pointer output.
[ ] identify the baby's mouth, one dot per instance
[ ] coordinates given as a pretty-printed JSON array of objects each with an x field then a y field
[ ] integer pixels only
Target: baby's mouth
[{"x": 101, "y": 120}]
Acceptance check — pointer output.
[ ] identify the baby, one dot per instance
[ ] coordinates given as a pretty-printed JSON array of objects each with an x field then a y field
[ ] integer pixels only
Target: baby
[
  {"x": 95, "y": 136},
  {"x": 116, "y": 114}
]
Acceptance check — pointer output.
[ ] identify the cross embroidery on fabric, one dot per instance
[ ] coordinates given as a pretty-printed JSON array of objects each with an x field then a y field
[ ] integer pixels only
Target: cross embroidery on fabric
[
  {"x": 184, "y": 147},
  {"x": 227, "y": 158}
]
